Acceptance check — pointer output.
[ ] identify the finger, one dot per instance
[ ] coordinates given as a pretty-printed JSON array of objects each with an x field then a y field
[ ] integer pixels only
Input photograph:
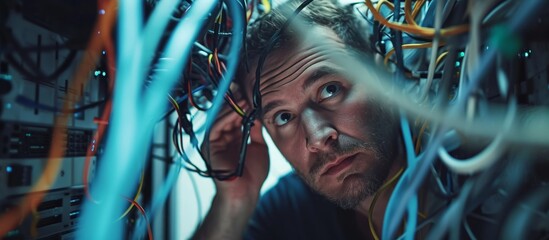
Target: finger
[
  {"x": 224, "y": 125},
  {"x": 227, "y": 121},
  {"x": 256, "y": 133}
]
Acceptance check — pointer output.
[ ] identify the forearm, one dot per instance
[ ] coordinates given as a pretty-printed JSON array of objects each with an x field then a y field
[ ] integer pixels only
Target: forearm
[{"x": 227, "y": 219}]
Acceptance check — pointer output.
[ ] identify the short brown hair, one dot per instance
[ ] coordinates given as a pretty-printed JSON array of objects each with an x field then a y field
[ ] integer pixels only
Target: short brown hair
[{"x": 327, "y": 13}]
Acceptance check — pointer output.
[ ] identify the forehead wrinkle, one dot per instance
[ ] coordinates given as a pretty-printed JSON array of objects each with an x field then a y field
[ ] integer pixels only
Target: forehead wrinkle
[
  {"x": 298, "y": 72},
  {"x": 272, "y": 69},
  {"x": 282, "y": 63},
  {"x": 307, "y": 43},
  {"x": 318, "y": 56}
]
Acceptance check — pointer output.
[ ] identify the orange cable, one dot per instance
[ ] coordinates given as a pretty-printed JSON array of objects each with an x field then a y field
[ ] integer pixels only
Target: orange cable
[
  {"x": 417, "y": 30},
  {"x": 15, "y": 216},
  {"x": 142, "y": 210},
  {"x": 106, "y": 38}
]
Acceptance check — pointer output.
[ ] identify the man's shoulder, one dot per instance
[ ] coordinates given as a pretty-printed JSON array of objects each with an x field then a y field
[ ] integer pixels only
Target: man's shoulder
[
  {"x": 290, "y": 191},
  {"x": 292, "y": 210}
]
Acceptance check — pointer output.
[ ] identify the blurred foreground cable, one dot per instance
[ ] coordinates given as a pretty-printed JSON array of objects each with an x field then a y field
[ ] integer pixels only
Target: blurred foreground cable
[
  {"x": 14, "y": 216},
  {"x": 525, "y": 10},
  {"x": 135, "y": 109}
]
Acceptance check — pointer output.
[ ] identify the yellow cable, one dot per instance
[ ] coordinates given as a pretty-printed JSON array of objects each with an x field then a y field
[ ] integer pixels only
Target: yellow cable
[
  {"x": 267, "y": 5},
  {"x": 390, "y": 5},
  {"x": 440, "y": 57},
  {"x": 417, "y": 30},
  {"x": 219, "y": 17},
  {"x": 419, "y": 136},
  {"x": 173, "y": 102},
  {"x": 135, "y": 197},
  {"x": 248, "y": 15},
  {"x": 238, "y": 108},
  {"x": 408, "y": 46},
  {"x": 374, "y": 200},
  {"x": 417, "y": 8},
  {"x": 408, "y": 14}
]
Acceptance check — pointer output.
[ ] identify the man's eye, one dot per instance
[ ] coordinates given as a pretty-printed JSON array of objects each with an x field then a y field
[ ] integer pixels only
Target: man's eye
[
  {"x": 282, "y": 118},
  {"x": 329, "y": 90}
]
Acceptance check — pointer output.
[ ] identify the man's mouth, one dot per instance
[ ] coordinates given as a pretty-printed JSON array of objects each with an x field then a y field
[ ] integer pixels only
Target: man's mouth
[{"x": 338, "y": 165}]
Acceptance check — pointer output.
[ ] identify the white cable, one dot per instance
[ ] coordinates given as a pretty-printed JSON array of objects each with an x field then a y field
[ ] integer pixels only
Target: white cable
[
  {"x": 475, "y": 14},
  {"x": 463, "y": 75},
  {"x": 488, "y": 156},
  {"x": 500, "y": 11},
  {"x": 503, "y": 82},
  {"x": 434, "y": 51},
  {"x": 476, "y": 9}
]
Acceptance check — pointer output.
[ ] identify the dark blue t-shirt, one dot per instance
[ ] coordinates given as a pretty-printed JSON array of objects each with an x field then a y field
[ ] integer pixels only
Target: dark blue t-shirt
[{"x": 291, "y": 210}]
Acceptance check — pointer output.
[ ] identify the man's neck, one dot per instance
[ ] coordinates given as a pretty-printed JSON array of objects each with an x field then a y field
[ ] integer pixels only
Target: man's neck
[{"x": 363, "y": 209}]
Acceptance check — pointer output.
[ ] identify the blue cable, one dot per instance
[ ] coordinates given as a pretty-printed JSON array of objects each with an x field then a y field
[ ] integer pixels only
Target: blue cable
[
  {"x": 96, "y": 220},
  {"x": 526, "y": 9},
  {"x": 397, "y": 38},
  {"x": 232, "y": 61},
  {"x": 410, "y": 155},
  {"x": 412, "y": 205},
  {"x": 134, "y": 115},
  {"x": 159, "y": 198},
  {"x": 238, "y": 27}
]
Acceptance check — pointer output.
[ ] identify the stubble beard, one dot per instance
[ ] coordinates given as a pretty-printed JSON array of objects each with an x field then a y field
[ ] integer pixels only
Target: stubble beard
[{"x": 354, "y": 186}]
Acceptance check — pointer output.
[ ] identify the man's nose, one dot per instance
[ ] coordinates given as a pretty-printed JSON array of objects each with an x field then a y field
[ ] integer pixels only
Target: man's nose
[{"x": 320, "y": 132}]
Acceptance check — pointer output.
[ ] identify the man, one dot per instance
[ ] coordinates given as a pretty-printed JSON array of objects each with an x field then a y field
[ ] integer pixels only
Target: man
[{"x": 341, "y": 141}]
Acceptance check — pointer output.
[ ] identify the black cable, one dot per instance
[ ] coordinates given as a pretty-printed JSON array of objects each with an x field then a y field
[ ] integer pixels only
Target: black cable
[
  {"x": 189, "y": 165},
  {"x": 88, "y": 106},
  {"x": 38, "y": 76},
  {"x": 11, "y": 41},
  {"x": 248, "y": 122},
  {"x": 265, "y": 52},
  {"x": 27, "y": 102},
  {"x": 209, "y": 172},
  {"x": 397, "y": 38},
  {"x": 229, "y": 94},
  {"x": 46, "y": 48},
  {"x": 215, "y": 84},
  {"x": 179, "y": 147},
  {"x": 188, "y": 87},
  {"x": 42, "y": 78},
  {"x": 245, "y": 46},
  {"x": 209, "y": 51},
  {"x": 23, "y": 71}
]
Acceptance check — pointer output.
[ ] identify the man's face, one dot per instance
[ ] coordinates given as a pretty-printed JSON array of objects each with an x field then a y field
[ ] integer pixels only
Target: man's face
[{"x": 337, "y": 138}]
